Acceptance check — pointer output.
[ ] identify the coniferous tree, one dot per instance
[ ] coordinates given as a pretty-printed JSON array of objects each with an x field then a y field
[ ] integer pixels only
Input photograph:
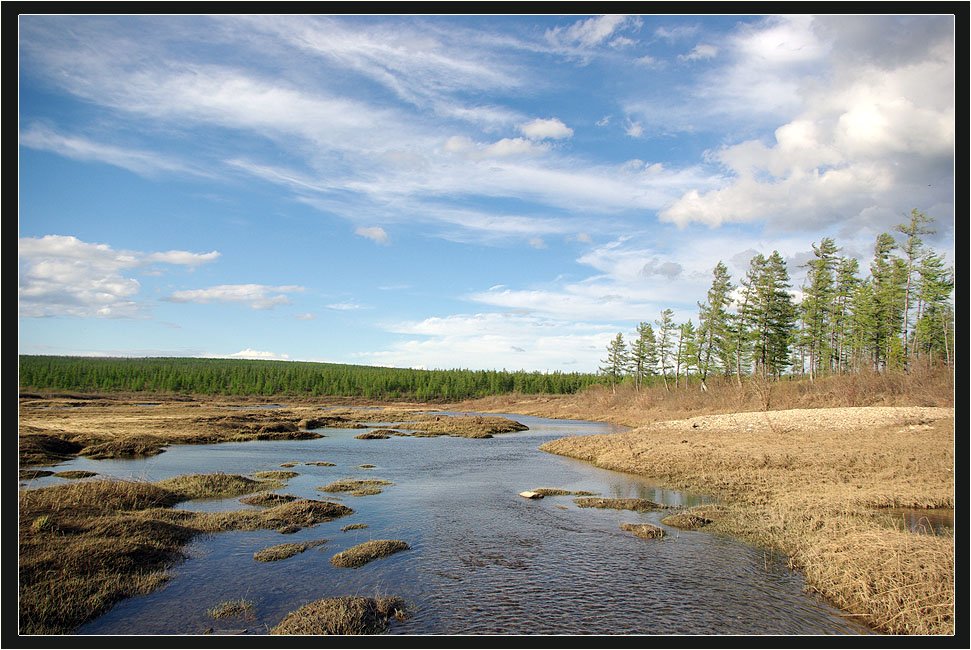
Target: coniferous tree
[
  {"x": 913, "y": 251},
  {"x": 643, "y": 354},
  {"x": 768, "y": 313},
  {"x": 817, "y": 306},
  {"x": 665, "y": 342},
  {"x": 617, "y": 363},
  {"x": 888, "y": 278},
  {"x": 713, "y": 324},
  {"x": 846, "y": 285}
]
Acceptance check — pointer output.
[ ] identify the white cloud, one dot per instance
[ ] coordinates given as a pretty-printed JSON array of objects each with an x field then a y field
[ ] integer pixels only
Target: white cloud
[
  {"x": 700, "y": 52},
  {"x": 144, "y": 163},
  {"x": 256, "y": 296},
  {"x": 537, "y": 242},
  {"x": 345, "y": 306},
  {"x": 492, "y": 340},
  {"x": 250, "y": 353},
  {"x": 587, "y": 33},
  {"x": 633, "y": 129},
  {"x": 540, "y": 129},
  {"x": 376, "y": 234},
  {"x": 64, "y": 276},
  {"x": 306, "y": 316}
]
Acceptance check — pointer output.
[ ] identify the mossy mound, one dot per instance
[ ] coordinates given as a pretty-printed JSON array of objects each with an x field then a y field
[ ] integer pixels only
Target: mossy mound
[
  {"x": 686, "y": 521},
  {"x": 284, "y": 551},
  {"x": 345, "y": 615},
  {"x": 357, "y": 487},
  {"x": 363, "y": 553},
  {"x": 637, "y": 505},
  {"x": 129, "y": 447},
  {"x": 276, "y": 475},
  {"x": 267, "y": 499},
  {"x": 203, "y": 486},
  {"x": 644, "y": 531}
]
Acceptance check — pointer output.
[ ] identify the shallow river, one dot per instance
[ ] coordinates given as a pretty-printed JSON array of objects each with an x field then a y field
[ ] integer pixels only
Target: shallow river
[{"x": 483, "y": 560}]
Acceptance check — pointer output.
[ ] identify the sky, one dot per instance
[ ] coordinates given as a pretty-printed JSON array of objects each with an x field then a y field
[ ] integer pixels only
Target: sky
[{"x": 483, "y": 192}]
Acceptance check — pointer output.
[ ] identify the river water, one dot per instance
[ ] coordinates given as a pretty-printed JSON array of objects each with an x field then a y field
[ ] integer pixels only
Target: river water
[{"x": 483, "y": 560}]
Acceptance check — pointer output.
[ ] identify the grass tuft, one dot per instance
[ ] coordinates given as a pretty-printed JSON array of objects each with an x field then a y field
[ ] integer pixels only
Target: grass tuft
[
  {"x": 345, "y": 615},
  {"x": 363, "y": 553}
]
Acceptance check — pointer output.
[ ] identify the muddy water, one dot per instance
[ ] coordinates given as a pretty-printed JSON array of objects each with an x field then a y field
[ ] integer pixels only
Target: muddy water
[{"x": 482, "y": 561}]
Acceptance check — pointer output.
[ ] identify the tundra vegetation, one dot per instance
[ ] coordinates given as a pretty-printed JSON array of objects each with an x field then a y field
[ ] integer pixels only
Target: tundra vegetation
[
  {"x": 346, "y": 615},
  {"x": 86, "y": 545},
  {"x": 368, "y": 551}
]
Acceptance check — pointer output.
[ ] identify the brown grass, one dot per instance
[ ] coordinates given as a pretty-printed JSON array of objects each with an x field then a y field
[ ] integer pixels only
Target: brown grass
[
  {"x": 686, "y": 521},
  {"x": 75, "y": 474},
  {"x": 557, "y": 492},
  {"x": 922, "y": 386},
  {"x": 233, "y": 608},
  {"x": 284, "y": 551},
  {"x": 644, "y": 531},
  {"x": 346, "y": 615},
  {"x": 321, "y": 463},
  {"x": 357, "y": 487},
  {"x": 86, "y": 545},
  {"x": 637, "y": 505},
  {"x": 353, "y": 527},
  {"x": 371, "y": 550},
  {"x": 806, "y": 483},
  {"x": 267, "y": 499},
  {"x": 372, "y": 435},
  {"x": 463, "y": 426},
  {"x": 276, "y": 475},
  {"x": 210, "y": 486}
]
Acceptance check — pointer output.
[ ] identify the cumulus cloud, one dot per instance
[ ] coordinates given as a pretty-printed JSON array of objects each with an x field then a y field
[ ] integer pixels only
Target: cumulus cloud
[
  {"x": 552, "y": 128},
  {"x": 256, "y": 296},
  {"x": 65, "y": 276},
  {"x": 250, "y": 353},
  {"x": 875, "y": 141},
  {"x": 633, "y": 129},
  {"x": 376, "y": 234}
]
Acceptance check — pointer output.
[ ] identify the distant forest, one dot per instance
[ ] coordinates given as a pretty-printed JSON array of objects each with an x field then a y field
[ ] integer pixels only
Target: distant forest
[{"x": 244, "y": 377}]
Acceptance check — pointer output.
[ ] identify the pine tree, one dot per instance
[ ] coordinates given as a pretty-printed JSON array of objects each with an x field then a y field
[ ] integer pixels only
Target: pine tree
[
  {"x": 687, "y": 354},
  {"x": 889, "y": 276},
  {"x": 768, "y": 313},
  {"x": 643, "y": 354},
  {"x": 617, "y": 363},
  {"x": 665, "y": 342},
  {"x": 912, "y": 250},
  {"x": 817, "y": 306},
  {"x": 846, "y": 285},
  {"x": 713, "y": 324}
]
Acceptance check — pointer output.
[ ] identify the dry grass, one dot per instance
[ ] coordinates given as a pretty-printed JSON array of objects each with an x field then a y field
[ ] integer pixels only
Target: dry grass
[
  {"x": 346, "y": 615},
  {"x": 644, "y": 531},
  {"x": 276, "y": 475},
  {"x": 557, "y": 492},
  {"x": 372, "y": 435},
  {"x": 463, "y": 426},
  {"x": 321, "y": 463},
  {"x": 686, "y": 521},
  {"x": 630, "y": 407},
  {"x": 238, "y": 608},
  {"x": 356, "y": 487},
  {"x": 267, "y": 499},
  {"x": 75, "y": 474},
  {"x": 211, "y": 486},
  {"x": 84, "y": 546},
  {"x": 806, "y": 483},
  {"x": 637, "y": 505},
  {"x": 353, "y": 527},
  {"x": 371, "y": 550},
  {"x": 284, "y": 551}
]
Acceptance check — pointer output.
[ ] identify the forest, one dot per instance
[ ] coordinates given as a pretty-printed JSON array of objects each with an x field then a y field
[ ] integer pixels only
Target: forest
[
  {"x": 900, "y": 314},
  {"x": 257, "y": 377}
]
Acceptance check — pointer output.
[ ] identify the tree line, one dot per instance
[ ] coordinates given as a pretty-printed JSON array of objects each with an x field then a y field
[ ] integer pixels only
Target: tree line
[
  {"x": 260, "y": 377},
  {"x": 900, "y": 314}
]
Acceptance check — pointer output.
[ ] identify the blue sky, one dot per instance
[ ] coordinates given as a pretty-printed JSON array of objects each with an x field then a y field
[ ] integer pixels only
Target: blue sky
[{"x": 452, "y": 191}]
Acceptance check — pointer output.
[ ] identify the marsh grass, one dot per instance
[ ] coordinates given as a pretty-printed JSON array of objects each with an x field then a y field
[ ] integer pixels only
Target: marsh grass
[
  {"x": 75, "y": 474},
  {"x": 276, "y": 475},
  {"x": 356, "y": 487},
  {"x": 371, "y": 550},
  {"x": 208, "y": 486},
  {"x": 86, "y": 545},
  {"x": 805, "y": 483},
  {"x": 284, "y": 551},
  {"x": 557, "y": 492},
  {"x": 372, "y": 435},
  {"x": 239, "y": 608},
  {"x": 346, "y": 615},
  {"x": 267, "y": 499},
  {"x": 637, "y": 505},
  {"x": 353, "y": 527},
  {"x": 31, "y": 474},
  {"x": 644, "y": 531},
  {"x": 321, "y": 463},
  {"x": 686, "y": 521},
  {"x": 129, "y": 447},
  {"x": 462, "y": 426}
]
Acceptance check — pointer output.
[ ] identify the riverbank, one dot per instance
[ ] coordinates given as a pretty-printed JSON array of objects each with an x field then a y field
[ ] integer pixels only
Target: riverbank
[{"x": 823, "y": 486}]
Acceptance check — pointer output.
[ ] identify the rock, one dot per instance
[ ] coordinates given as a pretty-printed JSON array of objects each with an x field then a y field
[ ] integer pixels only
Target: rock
[{"x": 529, "y": 494}]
